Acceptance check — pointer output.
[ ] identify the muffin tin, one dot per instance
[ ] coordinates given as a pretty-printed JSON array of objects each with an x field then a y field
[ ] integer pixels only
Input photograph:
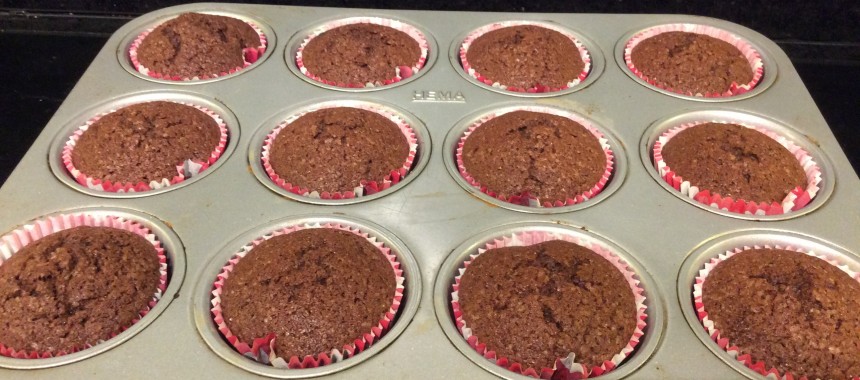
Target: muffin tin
[{"x": 432, "y": 216}]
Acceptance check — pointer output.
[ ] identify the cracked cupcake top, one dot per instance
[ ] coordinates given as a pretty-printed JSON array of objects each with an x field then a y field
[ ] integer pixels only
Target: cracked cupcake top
[
  {"x": 543, "y": 155},
  {"x": 539, "y": 303}
]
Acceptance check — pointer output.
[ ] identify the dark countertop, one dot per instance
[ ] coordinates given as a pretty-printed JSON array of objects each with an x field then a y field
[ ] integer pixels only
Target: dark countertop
[{"x": 40, "y": 69}]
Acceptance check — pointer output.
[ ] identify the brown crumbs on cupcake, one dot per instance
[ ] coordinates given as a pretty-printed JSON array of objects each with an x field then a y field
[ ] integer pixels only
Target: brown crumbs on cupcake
[
  {"x": 197, "y": 45},
  {"x": 797, "y": 313},
  {"x": 360, "y": 53},
  {"x": 734, "y": 161},
  {"x": 525, "y": 57},
  {"x": 539, "y": 303},
  {"x": 547, "y": 156},
  {"x": 145, "y": 142},
  {"x": 334, "y": 149},
  {"x": 75, "y": 288},
  {"x": 691, "y": 63},
  {"x": 316, "y": 289}
]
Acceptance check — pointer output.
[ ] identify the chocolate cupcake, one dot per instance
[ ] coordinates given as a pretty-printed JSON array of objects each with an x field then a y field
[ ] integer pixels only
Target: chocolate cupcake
[
  {"x": 197, "y": 46},
  {"x": 362, "y": 52},
  {"x": 524, "y": 57},
  {"x": 76, "y": 287},
  {"x": 784, "y": 310},
  {"x": 145, "y": 146},
  {"x": 694, "y": 60},
  {"x": 535, "y": 158},
  {"x": 339, "y": 152},
  {"x": 308, "y": 296},
  {"x": 545, "y": 307},
  {"x": 749, "y": 166}
]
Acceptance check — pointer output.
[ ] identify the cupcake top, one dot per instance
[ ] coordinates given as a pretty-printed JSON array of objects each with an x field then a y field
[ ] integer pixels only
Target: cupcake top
[
  {"x": 691, "y": 63},
  {"x": 795, "y": 312},
  {"x": 334, "y": 149},
  {"x": 197, "y": 45},
  {"x": 734, "y": 161},
  {"x": 522, "y": 152},
  {"x": 316, "y": 289},
  {"x": 526, "y": 56},
  {"x": 145, "y": 142},
  {"x": 539, "y": 303},
  {"x": 75, "y": 288},
  {"x": 360, "y": 53}
]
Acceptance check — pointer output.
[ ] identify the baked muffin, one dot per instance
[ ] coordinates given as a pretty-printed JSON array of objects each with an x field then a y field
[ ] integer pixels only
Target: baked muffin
[
  {"x": 197, "y": 45},
  {"x": 795, "y": 312},
  {"x": 535, "y": 304},
  {"x": 334, "y": 149},
  {"x": 525, "y": 57},
  {"x": 691, "y": 63},
  {"x": 536, "y": 154},
  {"x": 734, "y": 161},
  {"x": 145, "y": 142},
  {"x": 316, "y": 289},
  {"x": 357, "y": 54},
  {"x": 74, "y": 288}
]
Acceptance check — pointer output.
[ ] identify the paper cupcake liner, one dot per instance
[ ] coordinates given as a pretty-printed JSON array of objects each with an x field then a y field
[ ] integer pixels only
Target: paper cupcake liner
[
  {"x": 262, "y": 349},
  {"x": 471, "y": 37},
  {"x": 364, "y": 187},
  {"x": 747, "y": 50},
  {"x": 249, "y": 55},
  {"x": 567, "y": 367},
  {"x": 795, "y": 200},
  {"x": 400, "y": 72},
  {"x": 747, "y": 359},
  {"x": 16, "y": 240},
  {"x": 526, "y": 199},
  {"x": 185, "y": 170}
]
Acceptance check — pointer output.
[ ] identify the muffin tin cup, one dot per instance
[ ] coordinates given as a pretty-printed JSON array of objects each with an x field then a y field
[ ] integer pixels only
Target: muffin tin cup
[
  {"x": 723, "y": 342},
  {"x": 525, "y": 199},
  {"x": 262, "y": 349},
  {"x": 404, "y": 303},
  {"x": 139, "y": 224},
  {"x": 649, "y": 314},
  {"x": 249, "y": 55},
  {"x": 185, "y": 170},
  {"x": 475, "y": 34},
  {"x": 711, "y": 253},
  {"x": 400, "y": 73},
  {"x": 416, "y": 137},
  {"x": 566, "y": 367},
  {"x": 797, "y": 200},
  {"x": 747, "y": 50}
]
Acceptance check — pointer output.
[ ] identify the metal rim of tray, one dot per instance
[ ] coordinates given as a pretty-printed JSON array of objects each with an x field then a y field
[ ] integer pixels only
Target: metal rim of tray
[
  {"x": 716, "y": 245},
  {"x": 173, "y": 249},
  {"x": 445, "y": 278},
  {"x": 55, "y": 155},
  {"x": 597, "y": 61},
  {"x": 202, "y": 296},
  {"x": 646, "y": 145},
  {"x": 619, "y": 171}
]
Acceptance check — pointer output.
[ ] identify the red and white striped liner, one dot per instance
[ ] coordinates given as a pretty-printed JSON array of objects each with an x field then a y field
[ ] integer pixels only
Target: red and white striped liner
[
  {"x": 747, "y": 50},
  {"x": 262, "y": 349},
  {"x": 184, "y": 170},
  {"x": 400, "y": 72},
  {"x": 16, "y": 240},
  {"x": 526, "y": 199},
  {"x": 366, "y": 186},
  {"x": 475, "y": 34},
  {"x": 795, "y": 200},
  {"x": 249, "y": 55},
  {"x": 567, "y": 367},
  {"x": 733, "y": 351}
]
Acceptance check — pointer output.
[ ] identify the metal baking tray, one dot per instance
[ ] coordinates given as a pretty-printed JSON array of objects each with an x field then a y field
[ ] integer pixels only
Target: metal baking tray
[{"x": 432, "y": 218}]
